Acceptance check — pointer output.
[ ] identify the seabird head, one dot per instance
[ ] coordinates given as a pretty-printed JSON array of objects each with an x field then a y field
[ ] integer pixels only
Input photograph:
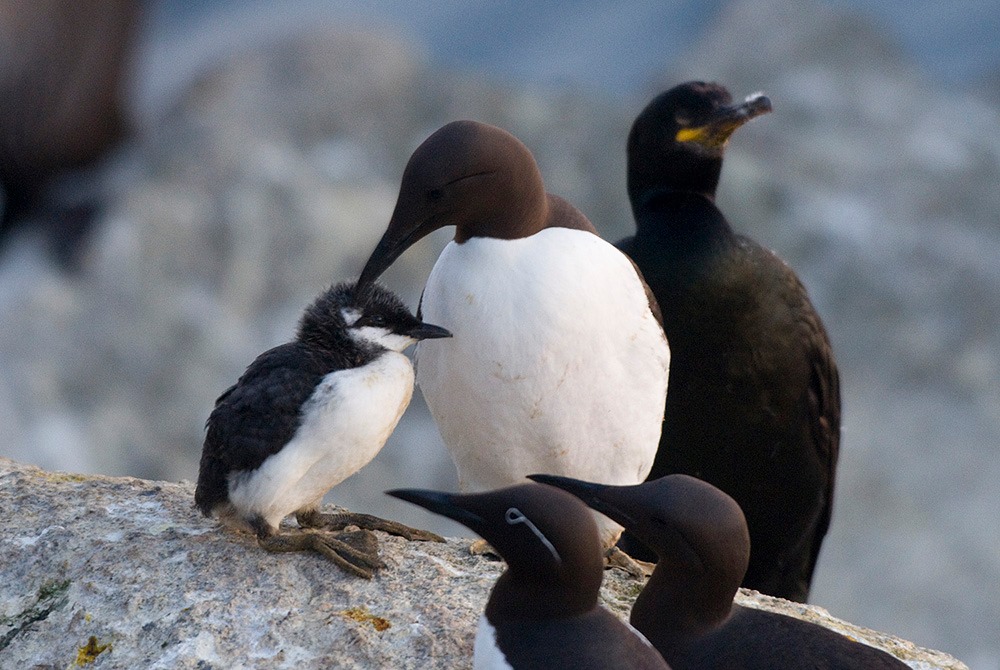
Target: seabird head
[
  {"x": 547, "y": 537},
  {"x": 471, "y": 175},
  {"x": 697, "y": 531},
  {"x": 373, "y": 317},
  {"x": 677, "y": 141}
]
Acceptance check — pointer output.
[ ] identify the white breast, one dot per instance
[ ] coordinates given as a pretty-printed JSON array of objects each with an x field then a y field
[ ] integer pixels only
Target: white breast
[
  {"x": 486, "y": 654},
  {"x": 556, "y": 366},
  {"x": 345, "y": 423}
]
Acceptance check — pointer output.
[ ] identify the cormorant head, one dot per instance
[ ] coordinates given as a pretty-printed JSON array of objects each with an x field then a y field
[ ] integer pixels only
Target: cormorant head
[{"x": 677, "y": 141}]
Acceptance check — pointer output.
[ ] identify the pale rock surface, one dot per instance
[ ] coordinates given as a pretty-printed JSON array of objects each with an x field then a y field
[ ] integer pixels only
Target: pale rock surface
[{"x": 110, "y": 572}]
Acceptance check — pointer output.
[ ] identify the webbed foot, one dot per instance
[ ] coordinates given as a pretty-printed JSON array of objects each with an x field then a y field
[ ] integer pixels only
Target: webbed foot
[
  {"x": 616, "y": 558},
  {"x": 317, "y": 519},
  {"x": 354, "y": 551},
  {"x": 483, "y": 548}
]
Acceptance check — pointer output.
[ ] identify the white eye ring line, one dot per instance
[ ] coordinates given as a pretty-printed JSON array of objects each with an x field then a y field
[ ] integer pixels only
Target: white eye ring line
[{"x": 515, "y": 516}]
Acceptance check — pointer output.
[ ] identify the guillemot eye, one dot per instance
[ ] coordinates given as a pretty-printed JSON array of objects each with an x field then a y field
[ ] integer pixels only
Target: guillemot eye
[{"x": 435, "y": 194}]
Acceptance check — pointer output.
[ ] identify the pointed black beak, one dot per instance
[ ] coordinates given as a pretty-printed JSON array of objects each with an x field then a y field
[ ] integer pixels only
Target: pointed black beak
[
  {"x": 428, "y": 331},
  {"x": 445, "y": 504},
  {"x": 386, "y": 252},
  {"x": 595, "y": 496}
]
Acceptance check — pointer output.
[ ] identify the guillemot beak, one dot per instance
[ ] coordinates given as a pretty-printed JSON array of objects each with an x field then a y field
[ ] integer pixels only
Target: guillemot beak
[
  {"x": 410, "y": 221},
  {"x": 445, "y": 504},
  {"x": 595, "y": 496},
  {"x": 725, "y": 121},
  {"x": 428, "y": 331},
  {"x": 385, "y": 253}
]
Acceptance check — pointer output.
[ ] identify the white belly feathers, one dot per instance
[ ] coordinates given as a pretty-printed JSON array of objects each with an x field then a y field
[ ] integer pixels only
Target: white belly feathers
[
  {"x": 556, "y": 366},
  {"x": 344, "y": 425}
]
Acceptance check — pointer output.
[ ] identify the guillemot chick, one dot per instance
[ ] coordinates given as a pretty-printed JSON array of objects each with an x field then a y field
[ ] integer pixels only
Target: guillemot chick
[
  {"x": 686, "y": 609},
  {"x": 543, "y": 611},
  {"x": 558, "y": 361},
  {"x": 754, "y": 402},
  {"x": 308, "y": 414}
]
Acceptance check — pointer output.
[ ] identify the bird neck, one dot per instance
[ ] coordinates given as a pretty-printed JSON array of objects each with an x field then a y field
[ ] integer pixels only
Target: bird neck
[
  {"x": 682, "y": 222},
  {"x": 522, "y": 597},
  {"x": 678, "y": 606},
  {"x": 652, "y": 172}
]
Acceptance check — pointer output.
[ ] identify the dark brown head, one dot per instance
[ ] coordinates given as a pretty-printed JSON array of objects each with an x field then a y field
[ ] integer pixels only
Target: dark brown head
[
  {"x": 698, "y": 533},
  {"x": 471, "y": 175},
  {"x": 548, "y": 538},
  {"x": 677, "y": 141}
]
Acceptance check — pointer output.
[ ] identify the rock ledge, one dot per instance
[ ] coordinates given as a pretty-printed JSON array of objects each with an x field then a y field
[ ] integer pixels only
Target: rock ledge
[{"x": 111, "y": 572}]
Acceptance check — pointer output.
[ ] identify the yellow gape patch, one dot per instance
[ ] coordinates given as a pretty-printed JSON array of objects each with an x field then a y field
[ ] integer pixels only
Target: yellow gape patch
[{"x": 691, "y": 135}]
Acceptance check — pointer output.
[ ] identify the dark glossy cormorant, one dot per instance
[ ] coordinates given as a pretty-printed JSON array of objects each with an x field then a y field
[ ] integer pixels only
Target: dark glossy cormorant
[{"x": 754, "y": 402}]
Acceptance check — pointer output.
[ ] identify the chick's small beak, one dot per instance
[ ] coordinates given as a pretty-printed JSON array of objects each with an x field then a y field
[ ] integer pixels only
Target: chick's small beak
[{"x": 428, "y": 331}]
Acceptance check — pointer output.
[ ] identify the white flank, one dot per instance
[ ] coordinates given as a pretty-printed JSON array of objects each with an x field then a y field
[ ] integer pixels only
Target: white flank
[
  {"x": 486, "y": 654},
  {"x": 345, "y": 424},
  {"x": 556, "y": 365}
]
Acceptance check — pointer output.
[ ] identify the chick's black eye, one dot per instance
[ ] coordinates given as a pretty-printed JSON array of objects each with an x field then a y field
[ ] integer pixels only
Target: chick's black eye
[
  {"x": 435, "y": 194},
  {"x": 376, "y": 320}
]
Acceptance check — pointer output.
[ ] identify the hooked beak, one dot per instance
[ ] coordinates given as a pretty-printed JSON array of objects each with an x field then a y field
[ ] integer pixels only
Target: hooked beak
[{"x": 725, "y": 121}]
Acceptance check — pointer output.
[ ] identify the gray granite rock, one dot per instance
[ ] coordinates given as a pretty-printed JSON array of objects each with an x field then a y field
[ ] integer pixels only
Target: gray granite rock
[{"x": 109, "y": 572}]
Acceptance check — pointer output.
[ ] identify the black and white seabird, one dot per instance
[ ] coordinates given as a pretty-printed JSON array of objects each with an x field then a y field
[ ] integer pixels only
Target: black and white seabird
[
  {"x": 754, "y": 402},
  {"x": 558, "y": 361},
  {"x": 543, "y": 611},
  {"x": 686, "y": 609},
  {"x": 308, "y": 414}
]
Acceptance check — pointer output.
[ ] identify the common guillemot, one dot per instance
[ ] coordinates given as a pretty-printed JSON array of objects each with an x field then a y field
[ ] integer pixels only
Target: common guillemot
[
  {"x": 308, "y": 414},
  {"x": 543, "y": 611},
  {"x": 558, "y": 362},
  {"x": 686, "y": 609}
]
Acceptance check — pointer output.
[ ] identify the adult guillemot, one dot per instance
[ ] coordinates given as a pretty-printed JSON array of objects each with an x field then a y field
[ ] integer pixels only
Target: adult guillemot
[
  {"x": 558, "y": 361},
  {"x": 543, "y": 611},
  {"x": 686, "y": 609},
  {"x": 308, "y": 414},
  {"x": 754, "y": 402}
]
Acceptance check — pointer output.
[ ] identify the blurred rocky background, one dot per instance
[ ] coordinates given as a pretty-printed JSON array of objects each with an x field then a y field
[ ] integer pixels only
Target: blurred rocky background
[{"x": 263, "y": 145}]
